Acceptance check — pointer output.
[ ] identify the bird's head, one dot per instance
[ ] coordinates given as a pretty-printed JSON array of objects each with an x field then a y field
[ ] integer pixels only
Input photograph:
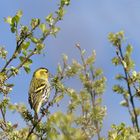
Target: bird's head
[{"x": 41, "y": 73}]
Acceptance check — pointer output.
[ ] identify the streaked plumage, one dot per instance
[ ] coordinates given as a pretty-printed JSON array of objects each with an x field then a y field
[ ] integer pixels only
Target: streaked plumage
[{"x": 39, "y": 90}]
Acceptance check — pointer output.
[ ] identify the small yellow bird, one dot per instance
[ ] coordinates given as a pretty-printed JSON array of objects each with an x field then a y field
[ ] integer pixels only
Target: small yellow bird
[{"x": 39, "y": 90}]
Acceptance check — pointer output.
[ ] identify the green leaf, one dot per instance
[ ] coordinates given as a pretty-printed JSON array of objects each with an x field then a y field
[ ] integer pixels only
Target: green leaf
[
  {"x": 58, "y": 98},
  {"x": 82, "y": 77},
  {"x": 124, "y": 64},
  {"x": 34, "y": 40},
  {"x": 60, "y": 13},
  {"x": 55, "y": 30},
  {"x": 8, "y": 20},
  {"x": 98, "y": 72},
  {"x": 119, "y": 77},
  {"x": 17, "y": 17},
  {"x": 22, "y": 58},
  {"x": 59, "y": 68},
  {"x": 24, "y": 31},
  {"x": 13, "y": 29},
  {"x": 4, "y": 103},
  {"x": 11, "y": 107},
  {"x": 83, "y": 52},
  {"x": 77, "y": 65},
  {"x": 91, "y": 59},
  {"x": 118, "y": 89},
  {"x": 116, "y": 38},
  {"x": 116, "y": 61},
  {"x": 3, "y": 53},
  {"x": 25, "y": 45},
  {"x": 134, "y": 74},
  {"x": 65, "y": 2},
  {"x": 13, "y": 21},
  {"x": 73, "y": 69},
  {"x": 3, "y": 77},
  {"x": 84, "y": 96},
  {"x": 124, "y": 103},
  {"x": 65, "y": 57},
  {"x": 35, "y": 22},
  {"x": 129, "y": 63},
  {"x": 137, "y": 111},
  {"x": 19, "y": 13},
  {"x": 50, "y": 19},
  {"x": 43, "y": 27},
  {"x": 98, "y": 85},
  {"x": 25, "y": 52},
  {"x": 129, "y": 49},
  {"x": 27, "y": 69},
  {"x": 14, "y": 70},
  {"x": 39, "y": 47},
  {"x": 26, "y": 64}
]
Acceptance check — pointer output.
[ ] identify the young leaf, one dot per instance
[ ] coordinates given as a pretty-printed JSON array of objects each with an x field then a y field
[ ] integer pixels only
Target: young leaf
[
  {"x": 25, "y": 45},
  {"x": 124, "y": 103},
  {"x": 3, "y": 53},
  {"x": 35, "y": 22},
  {"x": 50, "y": 19},
  {"x": 39, "y": 47},
  {"x": 129, "y": 49},
  {"x": 118, "y": 89},
  {"x": 8, "y": 20},
  {"x": 58, "y": 98},
  {"x": 34, "y": 40},
  {"x": 19, "y": 13},
  {"x": 43, "y": 27},
  {"x": 55, "y": 30},
  {"x": 90, "y": 60},
  {"x": 116, "y": 61}
]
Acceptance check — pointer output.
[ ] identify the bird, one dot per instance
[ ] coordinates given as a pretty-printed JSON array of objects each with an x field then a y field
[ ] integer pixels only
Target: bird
[{"x": 39, "y": 90}]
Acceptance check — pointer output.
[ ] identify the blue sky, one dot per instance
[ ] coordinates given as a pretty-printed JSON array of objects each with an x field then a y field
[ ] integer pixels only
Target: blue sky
[{"x": 88, "y": 23}]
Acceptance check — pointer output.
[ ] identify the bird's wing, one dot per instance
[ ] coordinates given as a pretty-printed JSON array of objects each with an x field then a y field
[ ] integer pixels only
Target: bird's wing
[{"x": 36, "y": 89}]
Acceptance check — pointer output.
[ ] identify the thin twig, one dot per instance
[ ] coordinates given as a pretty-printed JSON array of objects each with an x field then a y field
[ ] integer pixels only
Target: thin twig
[
  {"x": 128, "y": 86},
  {"x": 2, "y": 126},
  {"x": 22, "y": 63},
  {"x": 3, "y": 116},
  {"x": 91, "y": 91},
  {"x": 43, "y": 114},
  {"x": 18, "y": 44}
]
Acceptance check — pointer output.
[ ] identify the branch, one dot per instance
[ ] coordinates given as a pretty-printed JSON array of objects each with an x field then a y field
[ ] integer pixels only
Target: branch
[
  {"x": 90, "y": 90},
  {"x": 3, "y": 116},
  {"x": 121, "y": 57},
  {"x": 19, "y": 43},
  {"x": 83, "y": 61},
  {"x": 43, "y": 114},
  {"x": 23, "y": 62}
]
